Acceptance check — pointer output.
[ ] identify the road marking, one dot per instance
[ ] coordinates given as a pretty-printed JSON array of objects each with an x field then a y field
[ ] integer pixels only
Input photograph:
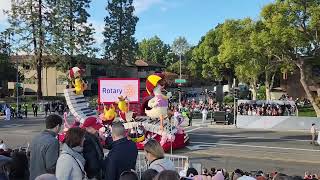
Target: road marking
[
  {"x": 200, "y": 147},
  {"x": 13, "y": 125},
  {"x": 193, "y": 129},
  {"x": 254, "y": 146},
  {"x": 249, "y": 137}
]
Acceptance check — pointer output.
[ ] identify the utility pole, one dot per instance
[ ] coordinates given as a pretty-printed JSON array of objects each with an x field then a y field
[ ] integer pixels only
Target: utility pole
[
  {"x": 17, "y": 88},
  {"x": 234, "y": 102},
  {"x": 180, "y": 83}
]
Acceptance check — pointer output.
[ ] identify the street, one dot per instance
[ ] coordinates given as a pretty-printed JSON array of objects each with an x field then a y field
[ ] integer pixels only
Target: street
[{"x": 287, "y": 152}]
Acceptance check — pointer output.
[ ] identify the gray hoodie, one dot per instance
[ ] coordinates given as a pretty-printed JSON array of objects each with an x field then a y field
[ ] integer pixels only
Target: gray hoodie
[
  {"x": 162, "y": 164},
  {"x": 70, "y": 164}
]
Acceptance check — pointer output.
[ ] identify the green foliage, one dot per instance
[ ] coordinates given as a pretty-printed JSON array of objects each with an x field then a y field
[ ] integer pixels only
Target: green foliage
[
  {"x": 261, "y": 94},
  {"x": 20, "y": 91},
  {"x": 154, "y": 49},
  {"x": 120, "y": 26},
  {"x": 307, "y": 112},
  {"x": 72, "y": 35},
  {"x": 180, "y": 46},
  {"x": 228, "y": 99}
]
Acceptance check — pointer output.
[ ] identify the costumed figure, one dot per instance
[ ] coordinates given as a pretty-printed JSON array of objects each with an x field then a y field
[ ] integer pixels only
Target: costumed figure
[
  {"x": 8, "y": 113},
  {"x": 108, "y": 115},
  {"x": 159, "y": 103},
  {"x": 123, "y": 105},
  {"x": 137, "y": 134},
  {"x": 76, "y": 80}
]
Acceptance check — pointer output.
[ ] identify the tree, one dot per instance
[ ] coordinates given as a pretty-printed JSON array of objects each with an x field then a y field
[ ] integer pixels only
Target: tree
[
  {"x": 71, "y": 34},
  {"x": 6, "y": 67},
  {"x": 180, "y": 46},
  {"x": 27, "y": 20},
  {"x": 236, "y": 49},
  {"x": 120, "y": 26},
  {"x": 296, "y": 26},
  {"x": 155, "y": 50}
]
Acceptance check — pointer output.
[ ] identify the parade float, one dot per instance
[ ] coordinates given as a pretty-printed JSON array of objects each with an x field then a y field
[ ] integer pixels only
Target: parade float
[{"x": 118, "y": 95}]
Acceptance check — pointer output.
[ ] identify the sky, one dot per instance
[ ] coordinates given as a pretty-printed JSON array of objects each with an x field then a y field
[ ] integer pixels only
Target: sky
[{"x": 169, "y": 19}]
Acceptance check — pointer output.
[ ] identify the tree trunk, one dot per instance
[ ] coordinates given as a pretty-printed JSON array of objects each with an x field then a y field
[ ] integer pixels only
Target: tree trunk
[
  {"x": 254, "y": 90},
  {"x": 47, "y": 80},
  {"x": 306, "y": 88},
  {"x": 230, "y": 81},
  {"x": 39, "y": 56},
  {"x": 269, "y": 84}
]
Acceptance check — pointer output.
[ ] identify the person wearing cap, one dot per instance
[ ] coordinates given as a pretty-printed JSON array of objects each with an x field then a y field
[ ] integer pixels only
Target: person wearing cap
[
  {"x": 313, "y": 132},
  {"x": 92, "y": 149}
]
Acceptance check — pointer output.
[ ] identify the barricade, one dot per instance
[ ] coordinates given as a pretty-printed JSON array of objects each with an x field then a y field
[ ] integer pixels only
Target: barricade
[{"x": 180, "y": 162}]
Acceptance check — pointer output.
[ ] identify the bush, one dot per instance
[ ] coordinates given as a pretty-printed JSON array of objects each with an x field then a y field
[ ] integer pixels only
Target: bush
[
  {"x": 228, "y": 99},
  {"x": 261, "y": 94}
]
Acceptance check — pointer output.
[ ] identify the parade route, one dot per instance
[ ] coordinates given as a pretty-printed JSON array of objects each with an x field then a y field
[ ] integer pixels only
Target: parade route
[{"x": 288, "y": 152}]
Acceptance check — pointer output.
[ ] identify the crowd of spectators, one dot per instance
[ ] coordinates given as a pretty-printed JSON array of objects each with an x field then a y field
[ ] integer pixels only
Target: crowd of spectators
[
  {"x": 238, "y": 174},
  {"x": 82, "y": 157},
  {"x": 266, "y": 109}
]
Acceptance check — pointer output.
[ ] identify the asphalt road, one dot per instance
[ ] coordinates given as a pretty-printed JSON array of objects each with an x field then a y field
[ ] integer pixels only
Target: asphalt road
[{"x": 287, "y": 152}]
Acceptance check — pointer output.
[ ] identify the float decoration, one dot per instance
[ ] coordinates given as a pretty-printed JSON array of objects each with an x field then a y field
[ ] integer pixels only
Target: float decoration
[
  {"x": 75, "y": 74},
  {"x": 159, "y": 103},
  {"x": 108, "y": 115}
]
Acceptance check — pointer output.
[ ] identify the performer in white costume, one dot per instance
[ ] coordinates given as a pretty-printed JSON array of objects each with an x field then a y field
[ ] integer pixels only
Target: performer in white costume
[{"x": 8, "y": 113}]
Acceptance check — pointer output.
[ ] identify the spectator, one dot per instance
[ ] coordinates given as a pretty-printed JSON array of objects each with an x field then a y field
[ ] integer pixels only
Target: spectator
[
  {"x": 123, "y": 154},
  {"x": 19, "y": 167},
  {"x": 212, "y": 172},
  {"x": 70, "y": 164},
  {"x": 46, "y": 177},
  {"x": 92, "y": 149},
  {"x": 167, "y": 175},
  {"x": 128, "y": 175},
  {"x": 45, "y": 148},
  {"x": 25, "y": 106},
  {"x": 149, "y": 174},
  {"x": 8, "y": 113},
  {"x": 3, "y": 145},
  {"x": 155, "y": 156},
  {"x": 204, "y": 114},
  {"x": 4, "y": 161},
  {"x": 191, "y": 172},
  {"x": 46, "y": 109},
  {"x": 190, "y": 115},
  {"x": 205, "y": 172},
  {"x": 313, "y": 132}
]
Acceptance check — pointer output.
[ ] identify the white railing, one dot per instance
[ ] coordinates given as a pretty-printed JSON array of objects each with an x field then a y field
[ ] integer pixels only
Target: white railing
[{"x": 180, "y": 162}]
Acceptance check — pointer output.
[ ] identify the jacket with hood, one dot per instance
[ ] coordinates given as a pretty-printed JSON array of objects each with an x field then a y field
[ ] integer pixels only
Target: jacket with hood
[
  {"x": 70, "y": 164},
  {"x": 162, "y": 164}
]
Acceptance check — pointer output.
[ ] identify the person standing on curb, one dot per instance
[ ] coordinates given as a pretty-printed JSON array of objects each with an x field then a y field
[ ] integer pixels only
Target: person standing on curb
[
  {"x": 204, "y": 114},
  {"x": 313, "y": 132}
]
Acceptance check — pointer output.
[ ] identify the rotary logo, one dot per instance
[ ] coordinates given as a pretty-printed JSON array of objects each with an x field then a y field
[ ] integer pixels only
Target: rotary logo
[{"x": 129, "y": 90}]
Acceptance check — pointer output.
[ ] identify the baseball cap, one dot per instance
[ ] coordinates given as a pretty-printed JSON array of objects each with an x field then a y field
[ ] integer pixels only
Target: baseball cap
[{"x": 91, "y": 122}]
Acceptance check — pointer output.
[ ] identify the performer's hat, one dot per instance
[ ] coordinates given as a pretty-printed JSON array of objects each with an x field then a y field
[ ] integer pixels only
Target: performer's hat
[{"x": 152, "y": 82}]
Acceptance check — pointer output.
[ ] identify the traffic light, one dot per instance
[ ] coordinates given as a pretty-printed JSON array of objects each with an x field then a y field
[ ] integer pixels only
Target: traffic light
[{"x": 179, "y": 89}]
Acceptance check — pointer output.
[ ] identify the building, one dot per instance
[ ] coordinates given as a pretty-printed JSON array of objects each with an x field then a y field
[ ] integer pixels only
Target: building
[{"x": 54, "y": 81}]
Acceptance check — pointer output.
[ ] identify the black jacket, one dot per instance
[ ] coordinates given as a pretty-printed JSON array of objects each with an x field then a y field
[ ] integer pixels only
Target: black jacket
[
  {"x": 93, "y": 154},
  {"x": 121, "y": 157}
]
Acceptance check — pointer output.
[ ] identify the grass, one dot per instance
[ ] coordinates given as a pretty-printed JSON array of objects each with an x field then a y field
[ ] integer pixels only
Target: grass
[{"x": 307, "y": 112}]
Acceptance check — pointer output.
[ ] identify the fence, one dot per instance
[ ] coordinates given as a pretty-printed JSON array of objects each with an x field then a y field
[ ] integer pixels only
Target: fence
[{"x": 180, "y": 162}]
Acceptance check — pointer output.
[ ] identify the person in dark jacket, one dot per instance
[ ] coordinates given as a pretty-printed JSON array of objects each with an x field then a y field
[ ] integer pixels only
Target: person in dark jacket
[
  {"x": 92, "y": 149},
  {"x": 45, "y": 148},
  {"x": 122, "y": 156}
]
